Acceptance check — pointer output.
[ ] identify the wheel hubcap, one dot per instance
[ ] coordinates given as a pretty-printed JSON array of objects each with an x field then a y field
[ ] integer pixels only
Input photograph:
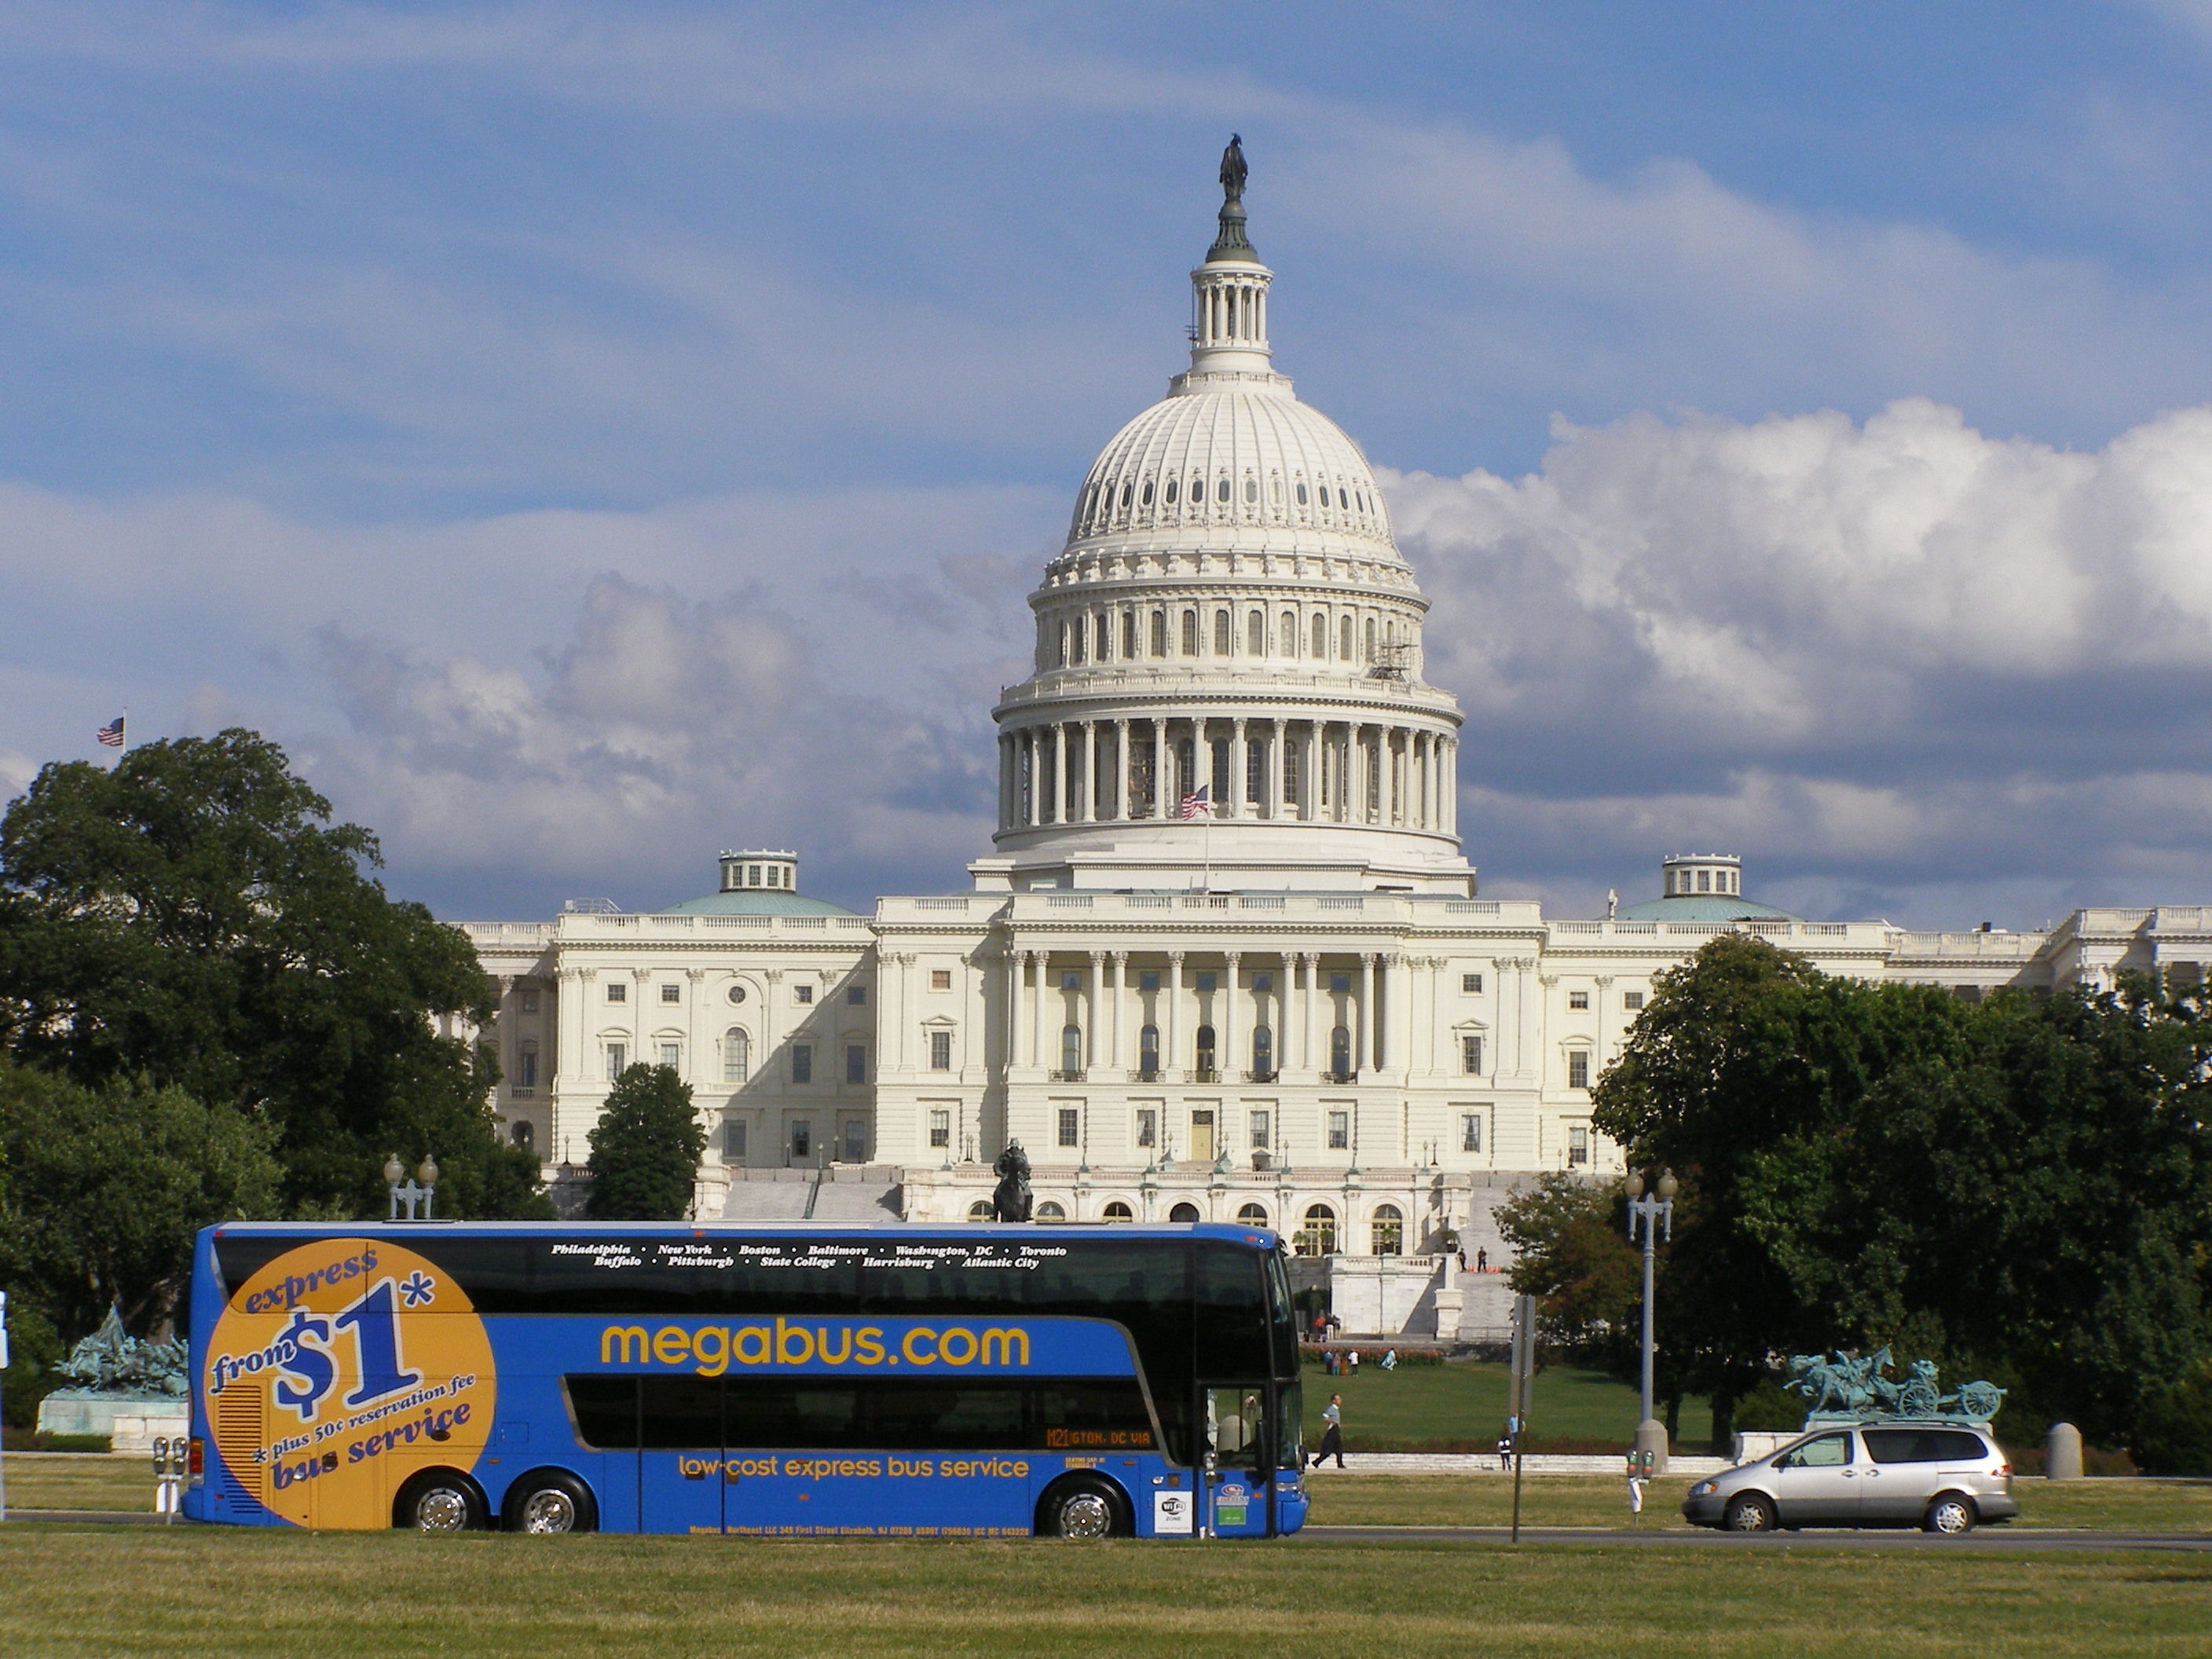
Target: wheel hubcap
[
  {"x": 1085, "y": 1515},
  {"x": 441, "y": 1510},
  {"x": 549, "y": 1511},
  {"x": 1748, "y": 1517},
  {"x": 1951, "y": 1517}
]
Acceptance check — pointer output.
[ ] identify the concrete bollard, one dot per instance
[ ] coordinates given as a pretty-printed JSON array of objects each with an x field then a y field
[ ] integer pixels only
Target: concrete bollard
[{"x": 2061, "y": 1453}]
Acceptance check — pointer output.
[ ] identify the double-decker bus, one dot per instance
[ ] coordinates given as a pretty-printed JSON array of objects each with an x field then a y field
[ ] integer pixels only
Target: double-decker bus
[{"x": 897, "y": 1380}]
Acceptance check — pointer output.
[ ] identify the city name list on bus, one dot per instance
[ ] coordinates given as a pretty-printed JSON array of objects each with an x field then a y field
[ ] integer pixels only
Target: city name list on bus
[{"x": 799, "y": 1256}]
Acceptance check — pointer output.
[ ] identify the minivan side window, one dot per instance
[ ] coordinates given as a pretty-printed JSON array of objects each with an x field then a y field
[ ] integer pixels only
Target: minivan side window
[
  {"x": 1924, "y": 1446},
  {"x": 1830, "y": 1451}
]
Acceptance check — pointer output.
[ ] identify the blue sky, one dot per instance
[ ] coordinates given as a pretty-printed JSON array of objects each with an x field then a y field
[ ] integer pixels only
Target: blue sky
[{"x": 590, "y": 435}]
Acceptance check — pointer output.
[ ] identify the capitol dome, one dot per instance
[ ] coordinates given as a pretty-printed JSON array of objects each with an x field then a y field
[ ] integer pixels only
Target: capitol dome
[{"x": 1227, "y": 687}]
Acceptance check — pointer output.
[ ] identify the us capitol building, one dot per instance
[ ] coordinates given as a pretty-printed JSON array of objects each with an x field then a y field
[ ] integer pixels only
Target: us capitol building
[{"x": 1225, "y": 959}]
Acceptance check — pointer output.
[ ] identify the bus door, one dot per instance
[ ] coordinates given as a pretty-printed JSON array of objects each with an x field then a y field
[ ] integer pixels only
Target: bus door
[
  {"x": 1235, "y": 1420},
  {"x": 680, "y": 1461}
]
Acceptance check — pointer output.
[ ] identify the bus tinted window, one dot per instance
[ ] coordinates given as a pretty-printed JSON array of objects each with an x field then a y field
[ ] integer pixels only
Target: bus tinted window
[
  {"x": 1232, "y": 1325},
  {"x": 606, "y": 1410},
  {"x": 681, "y": 1411}
]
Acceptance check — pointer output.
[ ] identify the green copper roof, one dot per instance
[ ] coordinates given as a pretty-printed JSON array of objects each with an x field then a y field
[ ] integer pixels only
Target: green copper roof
[
  {"x": 1702, "y": 906},
  {"x": 754, "y": 902}
]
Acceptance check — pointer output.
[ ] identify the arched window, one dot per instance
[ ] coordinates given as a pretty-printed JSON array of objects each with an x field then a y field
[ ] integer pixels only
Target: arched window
[
  {"x": 1117, "y": 1211},
  {"x": 1253, "y": 1215},
  {"x": 1147, "y": 497},
  {"x": 1339, "y": 1051},
  {"x": 1371, "y": 640},
  {"x": 1263, "y": 1051},
  {"x": 1320, "y": 639},
  {"x": 1290, "y": 634},
  {"x": 981, "y": 1210},
  {"x": 1256, "y": 635},
  {"x": 1128, "y": 634},
  {"x": 1318, "y": 1236},
  {"x": 1172, "y": 491},
  {"x": 1048, "y": 1211},
  {"x": 1159, "y": 633},
  {"x": 1071, "y": 1047},
  {"x": 1080, "y": 634},
  {"x": 1198, "y": 492},
  {"x": 1251, "y": 491},
  {"x": 1190, "y": 633},
  {"x": 1221, "y": 493},
  {"x": 736, "y": 1055},
  {"x": 1148, "y": 1050},
  {"x": 1221, "y": 632},
  {"x": 1389, "y": 1230},
  {"x": 1302, "y": 492},
  {"x": 1061, "y": 661},
  {"x": 1206, "y": 1049},
  {"x": 1185, "y": 1214},
  {"x": 1343, "y": 640},
  {"x": 524, "y": 1136}
]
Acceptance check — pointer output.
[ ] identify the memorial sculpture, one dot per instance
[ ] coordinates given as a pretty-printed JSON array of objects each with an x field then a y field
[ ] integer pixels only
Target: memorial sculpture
[
  {"x": 1853, "y": 1388},
  {"x": 119, "y": 1386},
  {"x": 1012, "y": 1199}
]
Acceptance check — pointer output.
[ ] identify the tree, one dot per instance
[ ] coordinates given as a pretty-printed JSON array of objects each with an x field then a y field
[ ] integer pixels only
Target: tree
[
  {"x": 191, "y": 918},
  {"x": 645, "y": 1148},
  {"x": 1569, "y": 1248},
  {"x": 106, "y": 1187}
]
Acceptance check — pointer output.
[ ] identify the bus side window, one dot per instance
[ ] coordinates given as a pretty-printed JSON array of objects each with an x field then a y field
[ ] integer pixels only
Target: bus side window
[{"x": 606, "y": 1410}]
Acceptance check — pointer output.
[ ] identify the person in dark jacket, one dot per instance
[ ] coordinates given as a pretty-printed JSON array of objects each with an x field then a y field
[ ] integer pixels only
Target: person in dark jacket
[{"x": 1331, "y": 1438}]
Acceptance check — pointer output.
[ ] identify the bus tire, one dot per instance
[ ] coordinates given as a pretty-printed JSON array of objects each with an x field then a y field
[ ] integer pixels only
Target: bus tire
[
  {"x": 550, "y": 1500},
  {"x": 1084, "y": 1507},
  {"x": 439, "y": 1500}
]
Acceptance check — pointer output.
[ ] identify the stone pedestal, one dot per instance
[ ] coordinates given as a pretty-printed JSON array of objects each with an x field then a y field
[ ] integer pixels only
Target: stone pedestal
[
  {"x": 2061, "y": 1453},
  {"x": 1651, "y": 1437},
  {"x": 1450, "y": 1305},
  {"x": 131, "y": 1424}
]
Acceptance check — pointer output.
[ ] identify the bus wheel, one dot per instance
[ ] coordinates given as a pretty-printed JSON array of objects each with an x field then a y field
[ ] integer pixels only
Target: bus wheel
[
  {"x": 1084, "y": 1507},
  {"x": 439, "y": 1500},
  {"x": 550, "y": 1500}
]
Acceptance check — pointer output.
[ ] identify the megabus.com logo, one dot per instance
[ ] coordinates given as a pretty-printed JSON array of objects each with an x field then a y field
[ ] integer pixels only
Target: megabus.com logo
[{"x": 711, "y": 1349}]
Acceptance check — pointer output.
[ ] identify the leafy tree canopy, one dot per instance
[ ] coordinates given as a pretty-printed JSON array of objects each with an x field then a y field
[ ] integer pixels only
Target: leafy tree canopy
[
  {"x": 2023, "y": 1186},
  {"x": 645, "y": 1148},
  {"x": 191, "y": 917}
]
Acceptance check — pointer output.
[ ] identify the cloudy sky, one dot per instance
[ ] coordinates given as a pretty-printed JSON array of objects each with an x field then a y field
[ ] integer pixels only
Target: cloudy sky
[{"x": 590, "y": 435}]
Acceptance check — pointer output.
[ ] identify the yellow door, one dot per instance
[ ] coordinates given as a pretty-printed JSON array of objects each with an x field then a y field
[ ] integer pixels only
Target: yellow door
[{"x": 1201, "y": 1136}]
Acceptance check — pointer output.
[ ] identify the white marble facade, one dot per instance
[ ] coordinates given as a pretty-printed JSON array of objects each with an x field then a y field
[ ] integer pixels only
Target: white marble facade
[{"x": 1292, "y": 1007}]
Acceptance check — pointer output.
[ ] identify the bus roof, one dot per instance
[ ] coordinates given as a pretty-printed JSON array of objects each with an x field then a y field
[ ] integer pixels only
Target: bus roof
[{"x": 1226, "y": 1231}]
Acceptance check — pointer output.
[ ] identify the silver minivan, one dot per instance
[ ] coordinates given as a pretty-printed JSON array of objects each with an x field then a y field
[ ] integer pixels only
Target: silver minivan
[{"x": 1943, "y": 1477}]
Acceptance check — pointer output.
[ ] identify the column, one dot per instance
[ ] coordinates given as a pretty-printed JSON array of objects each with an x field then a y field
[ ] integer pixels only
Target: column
[
  {"x": 1306, "y": 1061},
  {"x": 1171, "y": 1049},
  {"x": 1451, "y": 786},
  {"x": 1273, "y": 789},
  {"x": 1224, "y": 1040},
  {"x": 1005, "y": 781},
  {"x": 1034, "y": 815},
  {"x": 1160, "y": 790},
  {"x": 1120, "y": 797},
  {"x": 1013, "y": 1008},
  {"x": 1059, "y": 773},
  {"x": 1090, "y": 772},
  {"x": 1118, "y": 1058},
  {"x": 1239, "y": 805},
  {"x": 1363, "y": 1058},
  {"x": 1040, "y": 961},
  {"x": 1090, "y": 1054},
  {"x": 1309, "y": 776}
]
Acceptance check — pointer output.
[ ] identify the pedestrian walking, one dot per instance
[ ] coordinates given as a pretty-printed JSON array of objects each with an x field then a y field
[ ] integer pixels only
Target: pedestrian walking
[
  {"x": 1332, "y": 1436},
  {"x": 1352, "y": 1359}
]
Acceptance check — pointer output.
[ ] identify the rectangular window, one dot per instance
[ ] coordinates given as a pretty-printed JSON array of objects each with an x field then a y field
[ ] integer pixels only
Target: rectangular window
[
  {"x": 1470, "y": 1054},
  {"x": 1470, "y": 1132},
  {"x": 802, "y": 1139},
  {"x": 1341, "y": 984},
  {"x": 940, "y": 1051},
  {"x": 1471, "y": 983},
  {"x": 1148, "y": 1126},
  {"x": 1339, "y": 1131},
  {"x": 856, "y": 1063},
  {"x": 1262, "y": 983},
  {"x": 671, "y": 1056},
  {"x": 1070, "y": 1126},
  {"x": 1631, "y": 1000},
  {"x": 1577, "y": 1145},
  {"x": 1071, "y": 982},
  {"x": 672, "y": 992},
  {"x": 1259, "y": 1128},
  {"x": 1148, "y": 981},
  {"x": 940, "y": 1128},
  {"x": 529, "y": 1002},
  {"x": 1206, "y": 982},
  {"x": 617, "y": 1059},
  {"x": 940, "y": 979},
  {"x": 802, "y": 1062},
  {"x": 733, "y": 1141},
  {"x": 856, "y": 995},
  {"x": 617, "y": 991},
  {"x": 1578, "y": 998},
  {"x": 855, "y": 1149},
  {"x": 1578, "y": 1068},
  {"x": 525, "y": 1064},
  {"x": 804, "y": 994}
]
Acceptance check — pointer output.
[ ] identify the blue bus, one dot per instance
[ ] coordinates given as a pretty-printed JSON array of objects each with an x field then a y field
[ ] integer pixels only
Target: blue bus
[{"x": 902, "y": 1381}]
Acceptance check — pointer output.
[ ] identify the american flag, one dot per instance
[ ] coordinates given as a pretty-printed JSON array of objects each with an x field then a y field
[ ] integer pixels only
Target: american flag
[
  {"x": 112, "y": 733},
  {"x": 1196, "y": 802}
]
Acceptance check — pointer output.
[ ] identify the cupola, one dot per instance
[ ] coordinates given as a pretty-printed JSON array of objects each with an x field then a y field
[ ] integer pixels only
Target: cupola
[{"x": 760, "y": 868}]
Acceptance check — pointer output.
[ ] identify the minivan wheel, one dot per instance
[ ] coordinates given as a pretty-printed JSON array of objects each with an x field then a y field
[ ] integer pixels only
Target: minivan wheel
[
  {"x": 1750, "y": 1513},
  {"x": 1951, "y": 1515}
]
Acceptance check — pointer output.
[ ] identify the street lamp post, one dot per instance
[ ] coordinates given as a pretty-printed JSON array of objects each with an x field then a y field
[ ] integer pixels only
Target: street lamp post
[
  {"x": 1657, "y": 1213},
  {"x": 416, "y": 1199}
]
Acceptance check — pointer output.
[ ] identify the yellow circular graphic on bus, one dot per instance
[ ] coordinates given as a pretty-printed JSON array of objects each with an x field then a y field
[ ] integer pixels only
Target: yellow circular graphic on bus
[{"x": 339, "y": 1370}]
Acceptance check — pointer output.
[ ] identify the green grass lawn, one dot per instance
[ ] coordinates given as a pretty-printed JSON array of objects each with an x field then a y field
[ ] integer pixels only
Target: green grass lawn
[
  {"x": 1462, "y": 1403},
  {"x": 1552, "y": 1500},
  {"x": 79, "y": 1480},
  {"x": 85, "y": 1593}
]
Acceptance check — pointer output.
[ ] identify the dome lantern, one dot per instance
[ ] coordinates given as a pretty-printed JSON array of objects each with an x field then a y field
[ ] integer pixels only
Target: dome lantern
[{"x": 1229, "y": 292}]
